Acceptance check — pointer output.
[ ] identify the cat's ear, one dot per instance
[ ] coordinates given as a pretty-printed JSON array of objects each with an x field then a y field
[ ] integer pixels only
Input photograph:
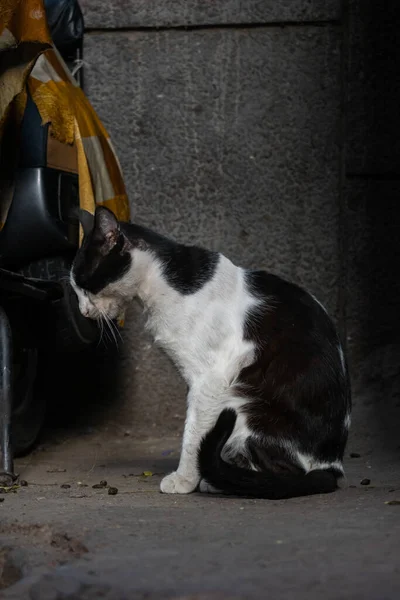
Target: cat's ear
[
  {"x": 85, "y": 218},
  {"x": 107, "y": 226}
]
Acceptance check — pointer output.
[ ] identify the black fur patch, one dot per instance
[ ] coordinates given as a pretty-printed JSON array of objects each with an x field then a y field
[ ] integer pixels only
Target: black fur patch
[
  {"x": 93, "y": 270},
  {"x": 186, "y": 268},
  {"x": 297, "y": 389}
]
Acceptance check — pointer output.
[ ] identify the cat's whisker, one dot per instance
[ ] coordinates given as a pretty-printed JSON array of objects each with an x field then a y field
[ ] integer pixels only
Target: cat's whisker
[
  {"x": 100, "y": 323},
  {"x": 116, "y": 329},
  {"x": 110, "y": 329},
  {"x": 106, "y": 335}
]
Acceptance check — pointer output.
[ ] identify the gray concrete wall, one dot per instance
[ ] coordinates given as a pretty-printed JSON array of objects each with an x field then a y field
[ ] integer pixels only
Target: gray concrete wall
[{"x": 228, "y": 118}]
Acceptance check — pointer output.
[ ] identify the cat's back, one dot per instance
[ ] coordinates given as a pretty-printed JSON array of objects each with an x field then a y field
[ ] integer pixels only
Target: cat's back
[{"x": 287, "y": 309}]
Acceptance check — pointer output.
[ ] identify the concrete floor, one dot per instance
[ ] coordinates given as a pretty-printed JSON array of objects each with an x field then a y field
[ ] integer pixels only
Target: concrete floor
[{"x": 80, "y": 542}]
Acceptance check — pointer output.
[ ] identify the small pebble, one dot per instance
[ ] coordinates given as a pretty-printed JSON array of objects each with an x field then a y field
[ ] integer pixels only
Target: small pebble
[
  {"x": 99, "y": 486},
  {"x": 112, "y": 491},
  {"x": 1, "y": 500},
  {"x": 355, "y": 455},
  {"x": 23, "y": 483},
  {"x": 365, "y": 481},
  {"x": 65, "y": 486}
]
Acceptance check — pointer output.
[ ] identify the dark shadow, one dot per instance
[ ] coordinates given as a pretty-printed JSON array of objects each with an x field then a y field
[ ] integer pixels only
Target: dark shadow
[
  {"x": 374, "y": 305},
  {"x": 373, "y": 217},
  {"x": 81, "y": 389},
  {"x": 374, "y": 89}
]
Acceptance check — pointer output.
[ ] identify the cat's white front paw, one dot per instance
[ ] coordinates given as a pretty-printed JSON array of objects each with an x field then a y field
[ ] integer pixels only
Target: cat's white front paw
[{"x": 174, "y": 483}]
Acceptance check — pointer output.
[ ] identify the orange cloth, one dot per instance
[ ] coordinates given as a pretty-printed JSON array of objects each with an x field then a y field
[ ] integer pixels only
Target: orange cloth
[{"x": 36, "y": 65}]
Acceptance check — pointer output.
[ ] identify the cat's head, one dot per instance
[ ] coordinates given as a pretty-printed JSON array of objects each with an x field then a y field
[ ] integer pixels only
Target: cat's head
[{"x": 101, "y": 266}]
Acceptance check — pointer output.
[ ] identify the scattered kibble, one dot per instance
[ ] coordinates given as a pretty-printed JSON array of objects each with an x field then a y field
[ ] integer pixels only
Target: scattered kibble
[
  {"x": 100, "y": 486},
  {"x": 355, "y": 455},
  {"x": 112, "y": 491},
  {"x": 65, "y": 486},
  {"x": 365, "y": 481},
  {"x": 1, "y": 500},
  {"x": 393, "y": 502}
]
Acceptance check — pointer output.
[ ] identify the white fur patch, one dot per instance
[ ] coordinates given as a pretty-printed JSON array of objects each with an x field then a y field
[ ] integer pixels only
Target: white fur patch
[
  {"x": 203, "y": 331},
  {"x": 309, "y": 463},
  {"x": 319, "y": 303},
  {"x": 342, "y": 359},
  {"x": 347, "y": 421}
]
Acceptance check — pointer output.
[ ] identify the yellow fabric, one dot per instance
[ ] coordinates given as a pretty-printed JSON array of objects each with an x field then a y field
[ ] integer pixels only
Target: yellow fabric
[{"x": 41, "y": 70}]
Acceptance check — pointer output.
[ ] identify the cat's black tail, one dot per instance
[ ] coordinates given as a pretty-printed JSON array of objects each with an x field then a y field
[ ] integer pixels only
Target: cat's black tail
[{"x": 238, "y": 481}]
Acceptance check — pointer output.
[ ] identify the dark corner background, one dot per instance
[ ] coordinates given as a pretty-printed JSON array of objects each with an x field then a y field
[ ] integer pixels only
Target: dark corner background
[{"x": 267, "y": 129}]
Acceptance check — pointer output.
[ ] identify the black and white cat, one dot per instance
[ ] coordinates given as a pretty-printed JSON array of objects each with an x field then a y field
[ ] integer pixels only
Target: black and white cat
[{"x": 268, "y": 407}]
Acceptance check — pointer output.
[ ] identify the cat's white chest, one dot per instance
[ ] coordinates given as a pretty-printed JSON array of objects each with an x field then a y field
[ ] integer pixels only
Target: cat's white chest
[{"x": 203, "y": 332}]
